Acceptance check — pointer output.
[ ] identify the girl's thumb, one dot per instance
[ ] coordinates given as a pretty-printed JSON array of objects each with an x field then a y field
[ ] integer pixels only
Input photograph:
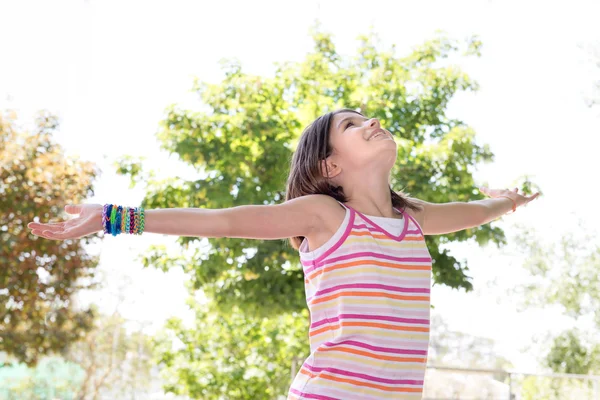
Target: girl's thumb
[{"x": 73, "y": 208}]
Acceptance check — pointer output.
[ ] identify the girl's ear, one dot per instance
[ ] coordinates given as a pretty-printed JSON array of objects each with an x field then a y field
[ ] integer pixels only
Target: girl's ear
[{"x": 329, "y": 169}]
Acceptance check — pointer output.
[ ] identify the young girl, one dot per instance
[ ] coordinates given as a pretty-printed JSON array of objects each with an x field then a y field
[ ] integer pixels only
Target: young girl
[{"x": 361, "y": 244}]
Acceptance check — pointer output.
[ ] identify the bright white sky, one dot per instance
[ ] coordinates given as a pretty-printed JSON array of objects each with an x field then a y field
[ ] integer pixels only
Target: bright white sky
[{"x": 110, "y": 68}]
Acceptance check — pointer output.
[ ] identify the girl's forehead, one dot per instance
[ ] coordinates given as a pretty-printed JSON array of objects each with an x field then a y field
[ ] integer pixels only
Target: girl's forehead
[{"x": 347, "y": 114}]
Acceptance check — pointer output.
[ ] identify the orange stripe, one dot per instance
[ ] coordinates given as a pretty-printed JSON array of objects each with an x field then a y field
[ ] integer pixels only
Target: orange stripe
[
  {"x": 359, "y": 383},
  {"x": 372, "y": 325},
  {"x": 368, "y": 262},
  {"x": 383, "y": 236},
  {"x": 373, "y": 355},
  {"x": 369, "y": 294}
]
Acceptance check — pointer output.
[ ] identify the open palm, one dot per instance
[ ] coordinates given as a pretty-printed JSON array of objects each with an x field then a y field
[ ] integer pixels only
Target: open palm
[
  {"x": 520, "y": 199},
  {"x": 88, "y": 222}
]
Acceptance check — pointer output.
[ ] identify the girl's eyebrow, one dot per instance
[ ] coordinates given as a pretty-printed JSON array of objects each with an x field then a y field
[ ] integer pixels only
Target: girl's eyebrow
[{"x": 347, "y": 118}]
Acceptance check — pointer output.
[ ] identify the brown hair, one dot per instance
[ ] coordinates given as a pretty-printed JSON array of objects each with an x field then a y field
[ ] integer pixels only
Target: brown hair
[{"x": 305, "y": 171}]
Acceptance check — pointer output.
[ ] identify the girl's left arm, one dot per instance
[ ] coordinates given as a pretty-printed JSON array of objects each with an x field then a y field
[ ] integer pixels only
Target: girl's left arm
[{"x": 442, "y": 218}]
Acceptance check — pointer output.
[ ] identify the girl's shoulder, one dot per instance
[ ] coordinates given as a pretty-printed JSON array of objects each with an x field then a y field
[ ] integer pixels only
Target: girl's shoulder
[
  {"x": 331, "y": 215},
  {"x": 417, "y": 215}
]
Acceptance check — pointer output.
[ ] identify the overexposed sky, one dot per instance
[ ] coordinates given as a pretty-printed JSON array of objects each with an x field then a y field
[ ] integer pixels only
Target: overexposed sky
[{"x": 110, "y": 68}]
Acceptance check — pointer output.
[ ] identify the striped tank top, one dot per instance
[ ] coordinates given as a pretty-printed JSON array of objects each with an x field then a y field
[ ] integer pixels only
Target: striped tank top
[{"x": 368, "y": 293}]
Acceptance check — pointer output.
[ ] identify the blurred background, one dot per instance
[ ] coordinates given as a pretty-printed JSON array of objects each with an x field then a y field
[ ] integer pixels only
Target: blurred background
[{"x": 200, "y": 104}]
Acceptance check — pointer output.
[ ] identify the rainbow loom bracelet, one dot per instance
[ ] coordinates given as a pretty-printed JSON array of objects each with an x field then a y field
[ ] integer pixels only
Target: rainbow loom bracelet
[
  {"x": 137, "y": 221},
  {"x": 113, "y": 216},
  {"x": 104, "y": 212},
  {"x": 127, "y": 219},
  {"x": 141, "y": 230},
  {"x": 131, "y": 221},
  {"x": 118, "y": 219},
  {"x": 116, "y": 230},
  {"x": 123, "y": 220}
]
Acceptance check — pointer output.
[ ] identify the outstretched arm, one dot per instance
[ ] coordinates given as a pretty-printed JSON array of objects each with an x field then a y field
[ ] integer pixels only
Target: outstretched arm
[
  {"x": 296, "y": 217},
  {"x": 441, "y": 218}
]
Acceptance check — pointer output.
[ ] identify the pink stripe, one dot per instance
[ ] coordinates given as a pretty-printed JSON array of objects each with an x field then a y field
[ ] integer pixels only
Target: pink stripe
[
  {"x": 383, "y": 369},
  {"x": 390, "y": 342},
  {"x": 377, "y": 348},
  {"x": 311, "y": 396},
  {"x": 399, "y": 237},
  {"x": 374, "y": 277},
  {"x": 368, "y": 309},
  {"x": 366, "y": 254},
  {"x": 375, "y": 317},
  {"x": 365, "y": 376},
  {"x": 372, "y": 286},
  {"x": 416, "y": 224}
]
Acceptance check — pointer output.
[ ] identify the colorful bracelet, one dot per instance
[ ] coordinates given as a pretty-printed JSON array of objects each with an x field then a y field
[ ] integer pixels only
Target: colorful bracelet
[
  {"x": 104, "y": 213},
  {"x": 137, "y": 222},
  {"x": 113, "y": 217},
  {"x": 118, "y": 219},
  {"x": 123, "y": 218},
  {"x": 132, "y": 221},
  {"x": 127, "y": 219},
  {"x": 142, "y": 219}
]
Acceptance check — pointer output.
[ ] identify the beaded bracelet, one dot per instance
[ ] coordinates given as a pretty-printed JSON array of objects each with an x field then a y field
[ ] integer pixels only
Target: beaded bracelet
[{"x": 118, "y": 219}]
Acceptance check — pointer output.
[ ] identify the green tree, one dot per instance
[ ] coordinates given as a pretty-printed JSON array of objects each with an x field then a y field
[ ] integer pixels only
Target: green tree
[
  {"x": 563, "y": 273},
  {"x": 232, "y": 356},
  {"x": 240, "y": 141},
  {"x": 570, "y": 355},
  {"x": 39, "y": 276}
]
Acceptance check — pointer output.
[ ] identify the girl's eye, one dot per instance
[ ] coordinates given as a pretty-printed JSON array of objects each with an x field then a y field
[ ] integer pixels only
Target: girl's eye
[{"x": 348, "y": 124}]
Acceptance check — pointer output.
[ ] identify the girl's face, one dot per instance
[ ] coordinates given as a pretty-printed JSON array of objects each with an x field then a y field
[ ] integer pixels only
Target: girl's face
[{"x": 360, "y": 143}]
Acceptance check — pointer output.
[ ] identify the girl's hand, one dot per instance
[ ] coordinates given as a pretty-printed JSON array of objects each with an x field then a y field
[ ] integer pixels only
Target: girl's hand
[
  {"x": 88, "y": 222},
  {"x": 513, "y": 194}
]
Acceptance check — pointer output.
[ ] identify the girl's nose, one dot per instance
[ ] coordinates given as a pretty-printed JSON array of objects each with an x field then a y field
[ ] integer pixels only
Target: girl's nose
[{"x": 373, "y": 122}]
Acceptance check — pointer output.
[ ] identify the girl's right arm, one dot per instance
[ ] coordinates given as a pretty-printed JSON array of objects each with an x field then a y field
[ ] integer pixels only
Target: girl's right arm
[{"x": 297, "y": 217}]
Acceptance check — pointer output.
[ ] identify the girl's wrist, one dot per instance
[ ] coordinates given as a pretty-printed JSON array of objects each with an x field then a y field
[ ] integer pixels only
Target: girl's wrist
[
  {"x": 513, "y": 201},
  {"x": 116, "y": 219}
]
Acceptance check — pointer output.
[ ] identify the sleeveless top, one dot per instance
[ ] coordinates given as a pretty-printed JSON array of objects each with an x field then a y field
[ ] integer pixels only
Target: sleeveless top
[{"x": 368, "y": 293}]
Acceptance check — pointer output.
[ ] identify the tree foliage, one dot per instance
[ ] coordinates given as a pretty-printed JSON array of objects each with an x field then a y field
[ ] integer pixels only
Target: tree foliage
[
  {"x": 39, "y": 276},
  {"x": 565, "y": 274},
  {"x": 233, "y": 356},
  {"x": 242, "y": 138}
]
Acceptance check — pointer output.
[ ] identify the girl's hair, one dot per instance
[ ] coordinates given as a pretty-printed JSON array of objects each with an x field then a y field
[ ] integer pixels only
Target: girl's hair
[{"x": 305, "y": 171}]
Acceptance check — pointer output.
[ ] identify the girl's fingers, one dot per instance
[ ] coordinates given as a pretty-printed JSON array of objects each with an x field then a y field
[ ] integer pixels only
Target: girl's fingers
[
  {"x": 37, "y": 225},
  {"x": 58, "y": 235},
  {"x": 73, "y": 208},
  {"x": 39, "y": 233}
]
